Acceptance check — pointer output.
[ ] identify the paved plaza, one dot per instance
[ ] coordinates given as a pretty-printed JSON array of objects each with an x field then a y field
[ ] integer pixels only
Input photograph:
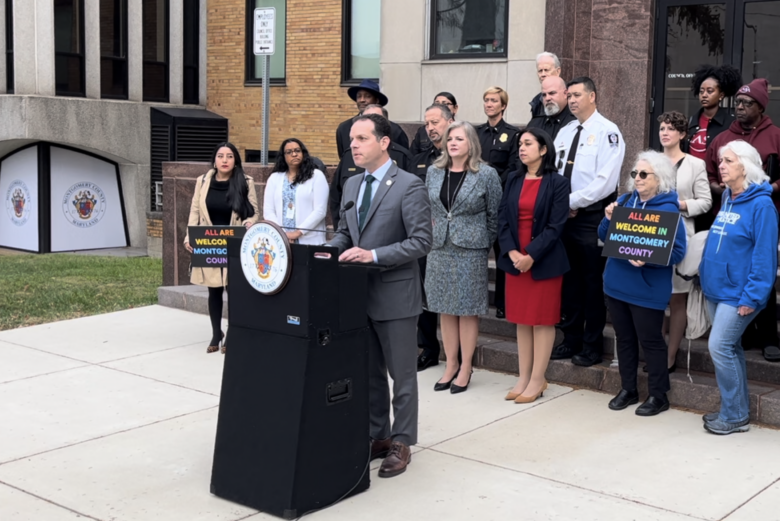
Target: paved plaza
[{"x": 113, "y": 417}]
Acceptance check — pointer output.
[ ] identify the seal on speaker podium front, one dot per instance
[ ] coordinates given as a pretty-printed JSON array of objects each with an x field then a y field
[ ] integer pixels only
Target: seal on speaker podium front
[{"x": 266, "y": 258}]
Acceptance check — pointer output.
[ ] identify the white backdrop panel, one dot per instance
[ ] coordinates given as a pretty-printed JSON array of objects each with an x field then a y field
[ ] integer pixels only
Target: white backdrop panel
[
  {"x": 19, "y": 189},
  {"x": 86, "y": 210}
]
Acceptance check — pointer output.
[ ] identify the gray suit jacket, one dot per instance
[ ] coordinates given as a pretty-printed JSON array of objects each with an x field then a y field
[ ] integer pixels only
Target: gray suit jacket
[
  {"x": 398, "y": 227},
  {"x": 474, "y": 223}
]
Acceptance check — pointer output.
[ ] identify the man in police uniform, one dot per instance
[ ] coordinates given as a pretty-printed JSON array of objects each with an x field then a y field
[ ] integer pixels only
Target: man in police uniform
[
  {"x": 437, "y": 119},
  {"x": 589, "y": 151},
  {"x": 499, "y": 142},
  {"x": 347, "y": 168},
  {"x": 365, "y": 94}
]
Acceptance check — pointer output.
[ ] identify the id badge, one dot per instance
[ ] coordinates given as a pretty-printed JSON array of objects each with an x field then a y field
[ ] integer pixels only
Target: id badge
[{"x": 289, "y": 212}]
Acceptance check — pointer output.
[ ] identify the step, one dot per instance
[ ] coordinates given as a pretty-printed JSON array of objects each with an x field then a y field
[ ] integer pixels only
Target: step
[{"x": 700, "y": 394}]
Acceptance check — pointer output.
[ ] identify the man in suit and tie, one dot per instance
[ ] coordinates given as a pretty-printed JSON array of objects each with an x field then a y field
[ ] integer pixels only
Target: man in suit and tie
[{"x": 390, "y": 225}]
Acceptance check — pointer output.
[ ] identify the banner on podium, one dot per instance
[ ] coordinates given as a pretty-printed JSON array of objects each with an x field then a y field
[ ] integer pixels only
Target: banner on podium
[{"x": 209, "y": 244}]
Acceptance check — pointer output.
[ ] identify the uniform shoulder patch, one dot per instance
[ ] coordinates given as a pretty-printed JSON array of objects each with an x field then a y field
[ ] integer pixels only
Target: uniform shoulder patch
[{"x": 614, "y": 139}]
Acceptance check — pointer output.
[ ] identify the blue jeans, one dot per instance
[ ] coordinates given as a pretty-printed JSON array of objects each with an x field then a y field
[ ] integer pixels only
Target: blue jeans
[{"x": 729, "y": 358}]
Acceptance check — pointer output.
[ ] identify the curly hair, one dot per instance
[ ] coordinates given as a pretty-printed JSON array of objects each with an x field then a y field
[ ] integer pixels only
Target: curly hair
[
  {"x": 676, "y": 119},
  {"x": 729, "y": 78}
]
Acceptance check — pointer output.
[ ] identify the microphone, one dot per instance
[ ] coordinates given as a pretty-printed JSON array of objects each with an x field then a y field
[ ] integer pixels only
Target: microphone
[{"x": 348, "y": 206}]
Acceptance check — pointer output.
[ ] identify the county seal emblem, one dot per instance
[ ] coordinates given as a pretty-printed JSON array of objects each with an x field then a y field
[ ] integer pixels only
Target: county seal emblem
[
  {"x": 18, "y": 202},
  {"x": 265, "y": 257},
  {"x": 84, "y": 202}
]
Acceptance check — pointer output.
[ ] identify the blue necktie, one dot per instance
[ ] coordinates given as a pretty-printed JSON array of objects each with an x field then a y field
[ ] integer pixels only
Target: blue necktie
[{"x": 365, "y": 203}]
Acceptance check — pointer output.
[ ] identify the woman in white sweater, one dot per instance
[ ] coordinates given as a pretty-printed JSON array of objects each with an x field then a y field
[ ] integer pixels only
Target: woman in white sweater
[
  {"x": 693, "y": 188},
  {"x": 296, "y": 195}
]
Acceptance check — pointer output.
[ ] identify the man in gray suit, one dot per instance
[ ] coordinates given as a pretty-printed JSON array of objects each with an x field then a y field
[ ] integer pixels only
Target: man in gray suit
[{"x": 390, "y": 225}]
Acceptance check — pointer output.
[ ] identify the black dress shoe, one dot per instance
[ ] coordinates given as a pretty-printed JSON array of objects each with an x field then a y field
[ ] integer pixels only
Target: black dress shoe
[
  {"x": 443, "y": 386},
  {"x": 585, "y": 360},
  {"x": 772, "y": 354},
  {"x": 653, "y": 406},
  {"x": 500, "y": 313},
  {"x": 455, "y": 389},
  {"x": 426, "y": 360},
  {"x": 561, "y": 352},
  {"x": 624, "y": 399}
]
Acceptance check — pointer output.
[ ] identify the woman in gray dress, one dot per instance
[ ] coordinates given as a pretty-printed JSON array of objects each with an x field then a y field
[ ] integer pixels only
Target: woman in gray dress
[{"x": 465, "y": 193}]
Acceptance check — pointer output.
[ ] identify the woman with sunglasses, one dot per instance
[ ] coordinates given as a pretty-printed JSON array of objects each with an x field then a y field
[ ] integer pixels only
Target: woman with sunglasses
[
  {"x": 421, "y": 141},
  {"x": 296, "y": 194},
  {"x": 638, "y": 292}
]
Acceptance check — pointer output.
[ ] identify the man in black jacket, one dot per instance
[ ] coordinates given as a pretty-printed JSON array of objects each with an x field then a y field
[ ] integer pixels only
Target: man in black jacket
[
  {"x": 437, "y": 119},
  {"x": 347, "y": 167},
  {"x": 547, "y": 64},
  {"x": 556, "y": 107},
  {"x": 365, "y": 94}
]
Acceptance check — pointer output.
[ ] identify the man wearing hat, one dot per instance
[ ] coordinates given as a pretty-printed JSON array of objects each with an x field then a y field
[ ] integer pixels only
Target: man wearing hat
[
  {"x": 755, "y": 127},
  {"x": 365, "y": 94}
]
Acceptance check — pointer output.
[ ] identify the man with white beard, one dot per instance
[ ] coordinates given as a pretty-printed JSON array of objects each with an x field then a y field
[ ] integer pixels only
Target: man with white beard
[{"x": 556, "y": 108}]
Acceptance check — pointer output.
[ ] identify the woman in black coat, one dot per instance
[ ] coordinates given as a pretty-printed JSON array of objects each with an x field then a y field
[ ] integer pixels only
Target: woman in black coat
[{"x": 531, "y": 218}]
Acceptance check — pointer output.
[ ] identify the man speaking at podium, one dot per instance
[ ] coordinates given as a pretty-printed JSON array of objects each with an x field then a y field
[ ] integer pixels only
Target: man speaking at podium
[{"x": 386, "y": 219}]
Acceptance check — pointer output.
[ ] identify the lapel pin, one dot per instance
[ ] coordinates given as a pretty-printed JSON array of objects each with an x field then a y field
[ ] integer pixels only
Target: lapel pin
[{"x": 389, "y": 182}]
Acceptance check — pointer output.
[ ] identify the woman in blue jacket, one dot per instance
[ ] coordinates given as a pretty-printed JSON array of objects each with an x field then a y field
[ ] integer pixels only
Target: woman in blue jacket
[
  {"x": 737, "y": 274},
  {"x": 638, "y": 292},
  {"x": 531, "y": 218}
]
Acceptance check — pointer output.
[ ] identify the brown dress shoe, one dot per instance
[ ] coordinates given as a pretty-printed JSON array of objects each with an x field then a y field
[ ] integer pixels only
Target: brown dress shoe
[
  {"x": 380, "y": 448},
  {"x": 396, "y": 462}
]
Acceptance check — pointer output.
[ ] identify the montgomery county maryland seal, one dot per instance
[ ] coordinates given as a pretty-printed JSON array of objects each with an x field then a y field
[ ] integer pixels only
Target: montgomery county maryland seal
[
  {"x": 84, "y": 204},
  {"x": 18, "y": 202},
  {"x": 265, "y": 258}
]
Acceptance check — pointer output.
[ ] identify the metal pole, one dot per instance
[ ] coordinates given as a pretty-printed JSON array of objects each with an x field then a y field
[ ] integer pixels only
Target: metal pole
[{"x": 266, "y": 107}]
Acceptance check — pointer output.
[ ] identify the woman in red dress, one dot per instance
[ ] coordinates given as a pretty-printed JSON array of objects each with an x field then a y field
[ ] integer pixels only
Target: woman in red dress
[{"x": 532, "y": 215}]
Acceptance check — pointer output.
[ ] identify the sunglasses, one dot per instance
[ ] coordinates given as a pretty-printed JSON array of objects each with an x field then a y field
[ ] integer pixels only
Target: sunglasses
[
  {"x": 641, "y": 174},
  {"x": 744, "y": 102}
]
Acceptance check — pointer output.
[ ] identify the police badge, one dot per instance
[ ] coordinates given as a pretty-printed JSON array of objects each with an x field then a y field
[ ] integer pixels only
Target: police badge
[{"x": 504, "y": 137}]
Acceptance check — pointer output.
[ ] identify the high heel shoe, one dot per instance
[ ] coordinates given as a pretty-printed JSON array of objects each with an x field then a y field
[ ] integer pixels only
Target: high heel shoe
[
  {"x": 530, "y": 399},
  {"x": 443, "y": 386},
  {"x": 455, "y": 389},
  {"x": 510, "y": 396},
  {"x": 214, "y": 349}
]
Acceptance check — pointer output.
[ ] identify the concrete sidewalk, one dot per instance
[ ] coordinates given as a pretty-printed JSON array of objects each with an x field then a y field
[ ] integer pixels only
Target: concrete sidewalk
[{"x": 113, "y": 417}]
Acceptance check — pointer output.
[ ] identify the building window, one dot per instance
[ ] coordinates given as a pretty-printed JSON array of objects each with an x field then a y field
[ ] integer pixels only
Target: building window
[
  {"x": 191, "y": 51},
  {"x": 360, "y": 36},
  {"x": 69, "y": 47},
  {"x": 469, "y": 29},
  {"x": 113, "y": 49},
  {"x": 155, "y": 30},
  {"x": 9, "y": 46},
  {"x": 254, "y": 64}
]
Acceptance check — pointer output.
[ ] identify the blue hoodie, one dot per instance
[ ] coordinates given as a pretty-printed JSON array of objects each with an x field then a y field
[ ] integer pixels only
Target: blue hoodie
[
  {"x": 739, "y": 263},
  {"x": 651, "y": 285}
]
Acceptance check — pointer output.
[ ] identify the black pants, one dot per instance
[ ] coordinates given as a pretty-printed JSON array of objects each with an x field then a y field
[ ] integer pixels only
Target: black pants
[
  {"x": 215, "y": 314},
  {"x": 584, "y": 314},
  {"x": 634, "y": 324},
  {"x": 427, "y": 322},
  {"x": 498, "y": 301},
  {"x": 762, "y": 331}
]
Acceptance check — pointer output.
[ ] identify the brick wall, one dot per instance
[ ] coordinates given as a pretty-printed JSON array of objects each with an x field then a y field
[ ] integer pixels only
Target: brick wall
[
  {"x": 154, "y": 228},
  {"x": 312, "y": 103}
]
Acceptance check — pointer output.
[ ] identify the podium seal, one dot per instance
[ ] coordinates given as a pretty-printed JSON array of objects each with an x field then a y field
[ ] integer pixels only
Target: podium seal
[{"x": 266, "y": 258}]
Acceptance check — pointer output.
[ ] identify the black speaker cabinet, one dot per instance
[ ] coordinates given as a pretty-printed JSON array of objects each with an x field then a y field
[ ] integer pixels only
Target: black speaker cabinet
[{"x": 293, "y": 427}]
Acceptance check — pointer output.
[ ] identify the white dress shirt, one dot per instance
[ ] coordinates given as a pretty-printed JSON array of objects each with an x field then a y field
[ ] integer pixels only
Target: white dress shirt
[{"x": 596, "y": 171}]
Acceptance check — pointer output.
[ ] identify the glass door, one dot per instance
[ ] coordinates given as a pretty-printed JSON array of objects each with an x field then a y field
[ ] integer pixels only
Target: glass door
[{"x": 758, "y": 32}]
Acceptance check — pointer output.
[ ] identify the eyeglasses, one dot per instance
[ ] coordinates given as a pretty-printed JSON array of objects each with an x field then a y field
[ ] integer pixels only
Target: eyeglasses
[
  {"x": 744, "y": 102},
  {"x": 642, "y": 174},
  {"x": 293, "y": 152}
]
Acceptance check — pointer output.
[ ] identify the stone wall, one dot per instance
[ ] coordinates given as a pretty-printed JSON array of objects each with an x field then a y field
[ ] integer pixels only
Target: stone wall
[
  {"x": 178, "y": 188},
  {"x": 612, "y": 42}
]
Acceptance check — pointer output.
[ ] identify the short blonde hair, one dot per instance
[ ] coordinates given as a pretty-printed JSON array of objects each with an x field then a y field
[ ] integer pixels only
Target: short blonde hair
[
  {"x": 502, "y": 94},
  {"x": 475, "y": 149}
]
